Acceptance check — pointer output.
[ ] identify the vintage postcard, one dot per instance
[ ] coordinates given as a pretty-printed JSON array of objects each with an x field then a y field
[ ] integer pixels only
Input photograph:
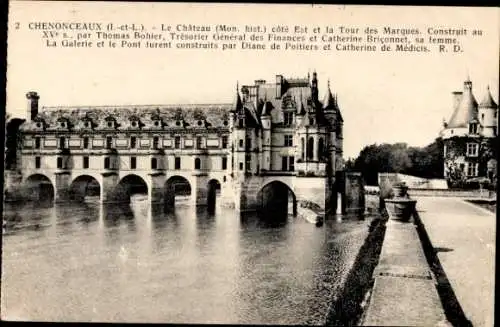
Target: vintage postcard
[{"x": 250, "y": 164}]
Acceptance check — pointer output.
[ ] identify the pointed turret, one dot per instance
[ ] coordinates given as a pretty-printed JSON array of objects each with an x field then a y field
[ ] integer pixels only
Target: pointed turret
[
  {"x": 314, "y": 88},
  {"x": 329, "y": 102},
  {"x": 488, "y": 101},
  {"x": 466, "y": 110},
  {"x": 238, "y": 104}
]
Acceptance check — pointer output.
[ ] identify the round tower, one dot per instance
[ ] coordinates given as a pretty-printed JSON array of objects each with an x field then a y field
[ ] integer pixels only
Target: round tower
[{"x": 488, "y": 115}]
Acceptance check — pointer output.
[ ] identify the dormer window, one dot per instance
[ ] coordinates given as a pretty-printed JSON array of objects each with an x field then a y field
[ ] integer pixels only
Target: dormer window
[
  {"x": 200, "y": 123},
  {"x": 473, "y": 128},
  {"x": 110, "y": 124},
  {"x": 156, "y": 123},
  {"x": 62, "y": 124},
  {"x": 225, "y": 123},
  {"x": 134, "y": 124},
  {"x": 178, "y": 123},
  {"x": 87, "y": 124},
  {"x": 39, "y": 125}
]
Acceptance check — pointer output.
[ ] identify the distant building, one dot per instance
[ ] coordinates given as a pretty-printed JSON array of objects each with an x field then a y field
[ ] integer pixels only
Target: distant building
[
  {"x": 469, "y": 137},
  {"x": 278, "y": 132}
]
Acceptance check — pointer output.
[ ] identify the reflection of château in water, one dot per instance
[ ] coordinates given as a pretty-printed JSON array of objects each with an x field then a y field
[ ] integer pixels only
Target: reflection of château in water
[{"x": 275, "y": 137}]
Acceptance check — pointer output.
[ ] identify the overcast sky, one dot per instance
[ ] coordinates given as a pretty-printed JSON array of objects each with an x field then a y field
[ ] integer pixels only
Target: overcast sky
[{"x": 384, "y": 97}]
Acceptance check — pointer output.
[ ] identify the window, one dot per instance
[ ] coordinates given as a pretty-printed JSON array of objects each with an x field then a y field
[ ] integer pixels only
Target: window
[
  {"x": 241, "y": 123},
  {"x": 248, "y": 143},
  {"x": 291, "y": 163},
  {"x": 303, "y": 147},
  {"x": 287, "y": 163},
  {"x": 154, "y": 163},
  {"x": 133, "y": 142},
  {"x": 107, "y": 163},
  {"x": 321, "y": 148},
  {"x": 157, "y": 123},
  {"x": 288, "y": 118},
  {"x": 248, "y": 162},
  {"x": 59, "y": 162},
  {"x": 87, "y": 124},
  {"x": 62, "y": 124},
  {"x": 85, "y": 164},
  {"x": 197, "y": 163},
  {"x": 199, "y": 142},
  {"x": 288, "y": 140},
  {"x": 482, "y": 117},
  {"x": 241, "y": 165},
  {"x": 224, "y": 163},
  {"x": 177, "y": 142},
  {"x": 134, "y": 124},
  {"x": 224, "y": 142},
  {"x": 472, "y": 149},
  {"x": 62, "y": 143},
  {"x": 156, "y": 141},
  {"x": 310, "y": 148},
  {"x": 110, "y": 124},
  {"x": 284, "y": 163},
  {"x": 472, "y": 169},
  {"x": 494, "y": 131},
  {"x": 177, "y": 163},
  {"x": 85, "y": 142},
  {"x": 241, "y": 143},
  {"x": 109, "y": 142},
  {"x": 38, "y": 162},
  {"x": 473, "y": 128},
  {"x": 37, "y": 143},
  {"x": 311, "y": 121},
  {"x": 133, "y": 162}
]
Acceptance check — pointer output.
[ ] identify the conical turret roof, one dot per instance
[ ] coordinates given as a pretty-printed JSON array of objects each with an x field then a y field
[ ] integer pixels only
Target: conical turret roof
[
  {"x": 466, "y": 109},
  {"x": 238, "y": 104},
  {"x": 329, "y": 102},
  {"x": 488, "y": 101}
]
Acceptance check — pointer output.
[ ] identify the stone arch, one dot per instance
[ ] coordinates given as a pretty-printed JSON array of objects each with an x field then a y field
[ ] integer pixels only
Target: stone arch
[
  {"x": 273, "y": 200},
  {"x": 84, "y": 186},
  {"x": 128, "y": 186},
  {"x": 214, "y": 187},
  {"x": 176, "y": 185},
  {"x": 40, "y": 188}
]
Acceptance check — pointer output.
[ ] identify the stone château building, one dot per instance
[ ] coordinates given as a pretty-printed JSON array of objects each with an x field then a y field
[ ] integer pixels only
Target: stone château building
[
  {"x": 469, "y": 137},
  {"x": 277, "y": 133}
]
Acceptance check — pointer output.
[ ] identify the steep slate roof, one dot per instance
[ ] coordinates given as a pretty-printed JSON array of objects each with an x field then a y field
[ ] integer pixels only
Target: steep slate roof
[
  {"x": 488, "y": 101},
  {"x": 214, "y": 114},
  {"x": 466, "y": 110}
]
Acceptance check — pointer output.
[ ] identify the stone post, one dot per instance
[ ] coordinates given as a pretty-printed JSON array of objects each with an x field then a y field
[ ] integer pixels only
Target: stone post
[{"x": 62, "y": 187}]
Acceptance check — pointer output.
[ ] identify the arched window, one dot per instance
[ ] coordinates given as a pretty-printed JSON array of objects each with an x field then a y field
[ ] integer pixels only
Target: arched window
[
  {"x": 303, "y": 148},
  {"x": 154, "y": 163},
  {"x": 310, "y": 148},
  {"x": 197, "y": 163},
  {"x": 320, "y": 148}
]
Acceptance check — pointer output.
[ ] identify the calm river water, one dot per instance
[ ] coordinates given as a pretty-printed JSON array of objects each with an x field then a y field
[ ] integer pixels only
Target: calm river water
[{"x": 85, "y": 263}]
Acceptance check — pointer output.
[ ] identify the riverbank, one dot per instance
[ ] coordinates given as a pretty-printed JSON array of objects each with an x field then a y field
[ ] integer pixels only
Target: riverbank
[{"x": 348, "y": 305}]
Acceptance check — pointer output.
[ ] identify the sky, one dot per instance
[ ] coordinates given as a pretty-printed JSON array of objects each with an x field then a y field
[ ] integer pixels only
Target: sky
[{"x": 384, "y": 96}]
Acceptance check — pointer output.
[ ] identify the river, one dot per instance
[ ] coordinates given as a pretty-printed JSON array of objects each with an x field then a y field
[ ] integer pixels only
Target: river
[{"x": 83, "y": 262}]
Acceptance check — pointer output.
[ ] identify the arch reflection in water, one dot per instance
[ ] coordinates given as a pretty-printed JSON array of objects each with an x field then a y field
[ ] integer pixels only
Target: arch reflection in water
[{"x": 130, "y": 188}]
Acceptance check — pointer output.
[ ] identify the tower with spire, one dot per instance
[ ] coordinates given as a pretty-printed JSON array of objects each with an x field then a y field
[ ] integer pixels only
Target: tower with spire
[{"x": 468, "y": 135}]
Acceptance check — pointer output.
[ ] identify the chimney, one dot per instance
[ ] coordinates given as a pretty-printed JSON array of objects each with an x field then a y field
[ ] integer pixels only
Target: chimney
[
  {"x": 279, "y": 84},
  {"x": 457, "y": 96},
  {"x": 32, "y": 108}
]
